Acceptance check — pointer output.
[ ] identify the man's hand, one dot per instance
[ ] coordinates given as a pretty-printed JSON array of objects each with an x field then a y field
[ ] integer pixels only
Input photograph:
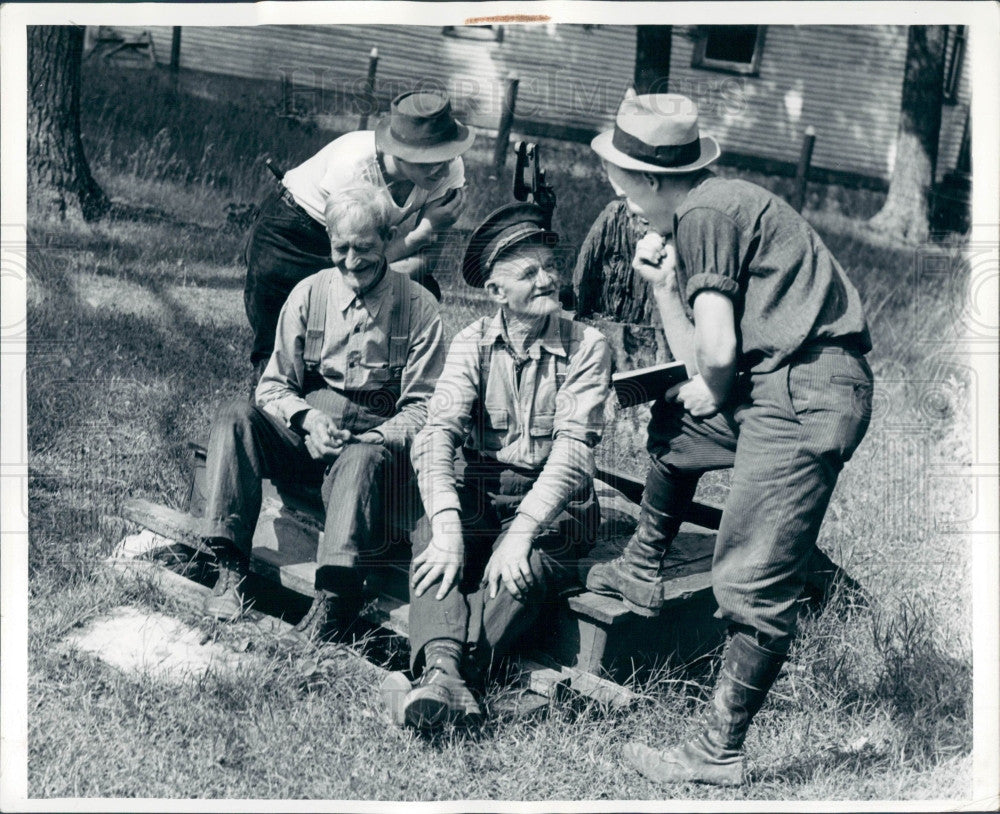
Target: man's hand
[
  {"x": 443, "y": 212},
  {"x": 510, "y": 564},
  {"x": 324, "y": 440},
  {"x": 655, "y": 259},
  {"x": 695, "y": 396},
  {"x": 443, "y": 558}
]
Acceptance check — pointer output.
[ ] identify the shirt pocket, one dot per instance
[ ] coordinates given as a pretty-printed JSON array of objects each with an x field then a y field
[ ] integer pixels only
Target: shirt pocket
[
  {"x": 497, "y": 425},
  {"x": 378, "y": 373},
  {"x": 542, "y": 425}
]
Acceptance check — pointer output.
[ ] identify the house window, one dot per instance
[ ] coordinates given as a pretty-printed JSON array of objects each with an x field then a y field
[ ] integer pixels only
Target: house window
[
  {"x": 953, "y": 70},
  {"x": 483, "y": 33},
  {"x": 728, "y": 48}
]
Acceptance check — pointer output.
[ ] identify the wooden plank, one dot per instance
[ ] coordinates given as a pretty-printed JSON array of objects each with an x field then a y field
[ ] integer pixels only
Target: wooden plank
[
  {"x": 700, "y": 514},
  {"x": 163, "y": 520},
  {"x": 604, "y": 609},
  {"x": 551, "y": 681},
  {"x": 685, "y": 588}
]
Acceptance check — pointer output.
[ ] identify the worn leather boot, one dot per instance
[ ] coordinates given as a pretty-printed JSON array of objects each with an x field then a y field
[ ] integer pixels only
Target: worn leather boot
[
  {"x": 635, "y": 576},
  {"x": 329, "y": 619},
  {"x": 440, "y": 698},
  {"x": 715, "y": 755},
  {"x": 227, "y": 602}
]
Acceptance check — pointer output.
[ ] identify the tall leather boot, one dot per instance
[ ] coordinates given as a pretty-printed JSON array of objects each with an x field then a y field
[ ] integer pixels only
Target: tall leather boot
[
  {"x": 635, "y": 576},
  {"x": 715, "y": 755}
]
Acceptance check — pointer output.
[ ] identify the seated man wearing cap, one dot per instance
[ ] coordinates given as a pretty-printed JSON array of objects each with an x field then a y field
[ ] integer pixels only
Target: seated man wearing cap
[
  {"x": 776, "y": 335},
  {"x": 522, "y": 400},
  {"x": 413, "y": 154},
  {"x": 357, "y": 351}
]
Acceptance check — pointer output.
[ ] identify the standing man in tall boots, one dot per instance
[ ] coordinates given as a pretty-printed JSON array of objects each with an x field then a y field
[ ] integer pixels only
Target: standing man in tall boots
[{"x": 759, "y": 308}]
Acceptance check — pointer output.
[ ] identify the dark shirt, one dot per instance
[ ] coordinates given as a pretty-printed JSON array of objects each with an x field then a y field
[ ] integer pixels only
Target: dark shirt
[{"x": 787, "y": 289}]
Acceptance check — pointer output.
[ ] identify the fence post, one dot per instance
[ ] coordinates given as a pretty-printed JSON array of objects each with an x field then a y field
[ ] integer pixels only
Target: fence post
[
  {"x": 370, "y": 101},
  {"x": 175, "y": 49},
  {"x": 506, "y": 122},
  {"x": 802, "y": 171}
]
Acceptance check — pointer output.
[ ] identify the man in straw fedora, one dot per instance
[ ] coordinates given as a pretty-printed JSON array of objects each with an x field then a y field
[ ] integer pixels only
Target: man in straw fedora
[
  {"x": 521, "y": 400},
  {"x": 413, "y": 154},
  {"x": 775, "y": 336}
]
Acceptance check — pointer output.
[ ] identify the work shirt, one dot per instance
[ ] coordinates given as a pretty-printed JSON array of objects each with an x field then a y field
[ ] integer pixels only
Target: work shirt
[
  {"x": 544, "y": 415},
  {"x": 354, "y": 359},
  {"x": 787, "y": 288},
  {"x": 351, "y": 161}
]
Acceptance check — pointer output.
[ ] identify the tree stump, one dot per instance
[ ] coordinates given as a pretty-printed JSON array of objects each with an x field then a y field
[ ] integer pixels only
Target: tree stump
[{"x": 613, "y": 298}]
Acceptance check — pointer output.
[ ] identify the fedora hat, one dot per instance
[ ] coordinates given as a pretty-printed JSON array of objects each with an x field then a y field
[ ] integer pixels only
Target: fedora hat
[
  {"x": 420, "y": 128},
  {"x": 503, "y": 228},
  {"x": 657, "y": 133}
]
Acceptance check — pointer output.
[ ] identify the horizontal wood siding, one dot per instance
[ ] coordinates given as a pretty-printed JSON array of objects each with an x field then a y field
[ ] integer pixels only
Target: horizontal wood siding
[
  {"x": 845, "y": 81},
  {"x": 569, "y": 75}
]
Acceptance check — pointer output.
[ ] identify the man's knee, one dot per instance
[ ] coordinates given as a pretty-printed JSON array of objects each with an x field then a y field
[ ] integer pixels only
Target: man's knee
[{"x": 236, "y": 414}]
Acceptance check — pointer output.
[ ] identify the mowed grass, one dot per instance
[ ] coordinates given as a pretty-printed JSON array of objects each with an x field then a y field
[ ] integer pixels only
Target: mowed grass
[{"x": 137, "y": 333}]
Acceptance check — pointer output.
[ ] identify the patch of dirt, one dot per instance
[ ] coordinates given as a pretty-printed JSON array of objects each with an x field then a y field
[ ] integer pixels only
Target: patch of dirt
[{"x": 141, "y": 643}]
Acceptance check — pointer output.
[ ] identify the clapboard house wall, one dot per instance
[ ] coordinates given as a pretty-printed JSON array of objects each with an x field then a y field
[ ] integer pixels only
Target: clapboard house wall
[{"x": 844, "y": 81}]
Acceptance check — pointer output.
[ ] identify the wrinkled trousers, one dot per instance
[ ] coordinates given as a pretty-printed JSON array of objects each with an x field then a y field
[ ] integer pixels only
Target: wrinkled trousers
[
  {"x": 359, "y": 489},
  {"x": 489, "y": 493},
  {"x": 786, "y": 441}
]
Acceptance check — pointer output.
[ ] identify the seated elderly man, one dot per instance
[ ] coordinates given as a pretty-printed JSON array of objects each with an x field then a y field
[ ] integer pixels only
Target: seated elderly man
[
  {"x": 357, "y": 350},
  {"x": 522, "y": 397}
]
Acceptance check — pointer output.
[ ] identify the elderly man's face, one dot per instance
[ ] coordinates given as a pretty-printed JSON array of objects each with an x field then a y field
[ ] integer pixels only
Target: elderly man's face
[
  {"x": 358, "y": 253},
  {"x": 525, "y": 280}
]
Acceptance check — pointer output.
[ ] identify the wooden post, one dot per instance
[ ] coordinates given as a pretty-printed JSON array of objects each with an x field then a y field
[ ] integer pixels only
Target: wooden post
[
  {"x": 802, "y": 171},
  {"x": 175, "y": 49},
  {"x": 369, "y": 101},
  {"x": 506, "y": 122}
]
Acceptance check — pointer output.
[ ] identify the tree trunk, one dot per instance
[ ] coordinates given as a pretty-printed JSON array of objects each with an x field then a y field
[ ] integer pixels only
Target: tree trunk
[
  {"x": 906, "y": 210},
  {"x": 652, "y": 58},
  {"x": 59, "y": 180}
]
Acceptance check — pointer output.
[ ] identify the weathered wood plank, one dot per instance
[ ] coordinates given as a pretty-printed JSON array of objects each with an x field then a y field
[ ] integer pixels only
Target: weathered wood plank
[{"x": 549, "y": 681}]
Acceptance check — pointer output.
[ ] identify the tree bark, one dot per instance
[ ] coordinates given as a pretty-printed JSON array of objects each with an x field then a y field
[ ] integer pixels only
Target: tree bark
[
  {"x": 59, "y": 179},
  {"x": 652, "y": 58},
  {"x": 906, "y": 212}
]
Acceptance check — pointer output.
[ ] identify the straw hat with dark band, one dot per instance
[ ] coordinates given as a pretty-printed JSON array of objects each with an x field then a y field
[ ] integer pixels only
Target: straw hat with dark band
[
  {"x": 657, "y": 133},
  {"x": 503, "y": 228},
  {"x": 420, "y": 128}
]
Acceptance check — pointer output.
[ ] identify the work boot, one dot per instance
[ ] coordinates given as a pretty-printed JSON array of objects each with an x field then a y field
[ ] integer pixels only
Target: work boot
[
  {"x": 715, "y": 755},
  {"x": 635, "y": 576},
  {"x": 441, "y": 698},
  {"x": 329, "y": 619},
  {"x": 394, "y": 690},
  {"x": 227, "y": 602}
]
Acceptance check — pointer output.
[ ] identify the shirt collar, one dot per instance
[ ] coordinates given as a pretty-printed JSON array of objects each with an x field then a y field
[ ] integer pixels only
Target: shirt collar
[
  {"x": 550, "y": 339},
  {"x": 372, "y": 299}
]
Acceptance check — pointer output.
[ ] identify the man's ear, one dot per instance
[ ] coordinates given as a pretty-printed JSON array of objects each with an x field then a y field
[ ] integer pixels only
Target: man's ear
[
  {"x": 496, "y": 291},
  {"x": 655, "y": 181},
  {"x": 390, "y": 233}
]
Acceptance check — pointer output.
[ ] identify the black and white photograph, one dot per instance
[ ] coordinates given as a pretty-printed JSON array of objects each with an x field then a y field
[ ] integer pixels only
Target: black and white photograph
[{"x": 493, "y": 406}]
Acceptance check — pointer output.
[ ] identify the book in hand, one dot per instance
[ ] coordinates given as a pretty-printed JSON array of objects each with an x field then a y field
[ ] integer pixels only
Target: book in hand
[{"x": 647, "y": 383}]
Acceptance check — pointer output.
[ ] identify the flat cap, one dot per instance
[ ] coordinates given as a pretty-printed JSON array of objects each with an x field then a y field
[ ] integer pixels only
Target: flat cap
[{"x": 503, "y": 228}]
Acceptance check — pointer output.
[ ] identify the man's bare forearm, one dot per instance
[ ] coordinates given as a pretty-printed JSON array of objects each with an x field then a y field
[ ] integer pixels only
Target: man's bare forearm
[{"x": 677, "y": 329}]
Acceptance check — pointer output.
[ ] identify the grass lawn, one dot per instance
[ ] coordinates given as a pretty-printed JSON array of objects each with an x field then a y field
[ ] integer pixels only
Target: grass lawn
[{"x": 136, "y": 332}]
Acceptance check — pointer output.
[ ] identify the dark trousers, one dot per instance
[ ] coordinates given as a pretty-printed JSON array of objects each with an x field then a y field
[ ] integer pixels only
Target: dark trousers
[
  {"x": 358, "y": 489},
  {"x": 490, "y": 493},
  {"x": 285, "y": 245},
  {"x": 786, "y": 442}
]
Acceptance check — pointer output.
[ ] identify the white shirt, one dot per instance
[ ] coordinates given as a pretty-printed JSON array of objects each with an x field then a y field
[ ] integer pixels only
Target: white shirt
[{"x": 349, "y": 161}]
